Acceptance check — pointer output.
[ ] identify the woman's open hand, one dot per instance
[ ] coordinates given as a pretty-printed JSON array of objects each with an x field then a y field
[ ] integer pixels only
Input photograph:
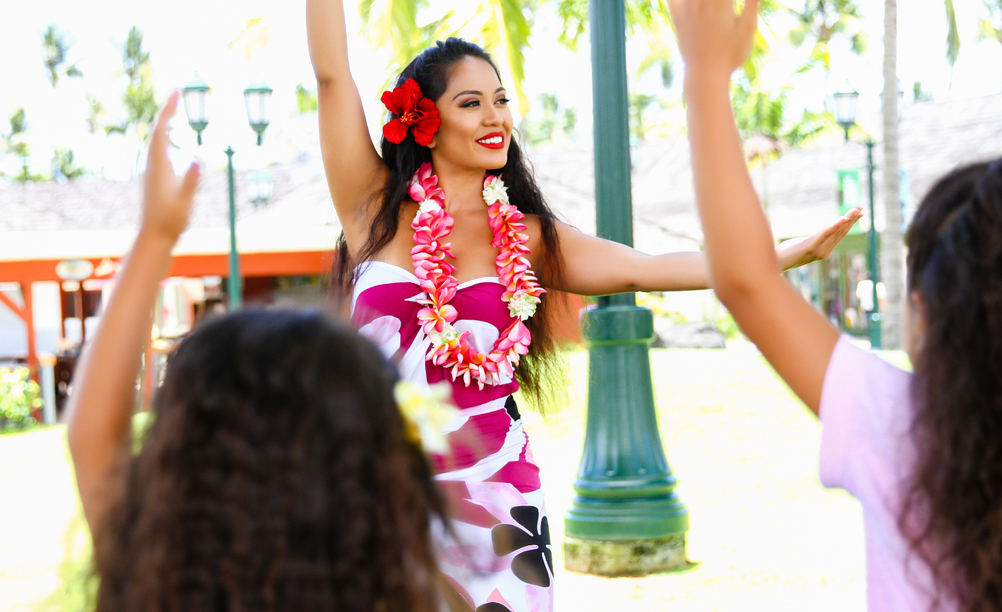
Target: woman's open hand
[
  {"x": 166, "y": 198},
  {"x": 793, "y": 253},
  {"x": 711, "y": 36}
]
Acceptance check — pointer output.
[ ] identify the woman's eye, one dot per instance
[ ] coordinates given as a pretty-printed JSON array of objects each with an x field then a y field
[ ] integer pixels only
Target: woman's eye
[
  {"x": 504, "y": 101},
  {"x": 470, "y": 104}
]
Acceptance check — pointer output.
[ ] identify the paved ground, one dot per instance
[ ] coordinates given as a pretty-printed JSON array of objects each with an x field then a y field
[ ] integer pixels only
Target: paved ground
[{"x": 764, "y": 535}]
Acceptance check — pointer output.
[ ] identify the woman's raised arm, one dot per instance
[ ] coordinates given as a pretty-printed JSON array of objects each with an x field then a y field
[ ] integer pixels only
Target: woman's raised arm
[
  {"x": 594, "y": 266},
  {"x": 354, "y": 170}
]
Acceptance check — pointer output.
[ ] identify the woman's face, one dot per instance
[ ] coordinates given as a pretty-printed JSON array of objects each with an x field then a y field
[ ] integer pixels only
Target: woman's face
[{"x": 476, "y": 121}]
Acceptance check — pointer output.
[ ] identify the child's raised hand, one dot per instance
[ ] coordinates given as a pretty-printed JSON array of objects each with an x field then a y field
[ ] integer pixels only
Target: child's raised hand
[
  {"x": 711, "y": 37},
  {"x": 166, "y": 198}
]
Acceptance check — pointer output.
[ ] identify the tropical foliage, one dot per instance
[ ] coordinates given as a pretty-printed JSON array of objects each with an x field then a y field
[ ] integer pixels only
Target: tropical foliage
[
  {"x": 555, "y": 121},
  {"x": 306, "y": 99},
  {"x": 820, "y": 21},
  {"x": 952, "y": 33},
  {"x": 990, "y": 24},
  {"x": 502, "y": 26},
  {"x": 18, "y": 399},
  {"x": 139, "y": 98},
  {"x": 15, "y": 142},
  {"x": 55, "y": 48},
  {"x": 63, "y": 167},
  {"x": 762, "y": 119}
]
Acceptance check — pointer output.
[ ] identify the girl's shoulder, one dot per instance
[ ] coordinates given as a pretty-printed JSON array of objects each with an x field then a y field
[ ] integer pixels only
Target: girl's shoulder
[{"x": 866, "y": 410}]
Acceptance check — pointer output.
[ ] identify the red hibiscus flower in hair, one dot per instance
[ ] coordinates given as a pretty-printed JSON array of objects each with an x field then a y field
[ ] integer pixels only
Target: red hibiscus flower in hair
[{"x": 414, "y": 112}]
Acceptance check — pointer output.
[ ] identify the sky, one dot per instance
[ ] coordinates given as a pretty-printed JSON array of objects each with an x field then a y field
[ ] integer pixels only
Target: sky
[{"x": 185, "y": 36}]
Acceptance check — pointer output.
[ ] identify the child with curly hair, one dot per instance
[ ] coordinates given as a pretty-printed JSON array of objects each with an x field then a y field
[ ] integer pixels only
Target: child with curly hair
[{"x": 278, "y": 473}]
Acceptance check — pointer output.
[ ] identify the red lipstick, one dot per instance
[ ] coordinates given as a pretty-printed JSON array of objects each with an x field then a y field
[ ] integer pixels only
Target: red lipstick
[{"x": 494, "y": 140}]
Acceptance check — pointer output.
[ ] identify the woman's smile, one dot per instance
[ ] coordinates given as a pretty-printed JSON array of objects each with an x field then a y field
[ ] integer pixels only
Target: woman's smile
[{"x": 494, "y": 140}]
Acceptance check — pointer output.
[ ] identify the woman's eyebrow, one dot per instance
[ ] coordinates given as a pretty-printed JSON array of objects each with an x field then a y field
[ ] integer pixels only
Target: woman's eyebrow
[
  {"x": 468, "y": 91},
  {"x": 476, "y": 93}
]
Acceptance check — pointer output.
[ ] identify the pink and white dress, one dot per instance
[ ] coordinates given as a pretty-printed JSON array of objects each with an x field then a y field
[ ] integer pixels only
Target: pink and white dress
[{"x": 500, "y": 559}]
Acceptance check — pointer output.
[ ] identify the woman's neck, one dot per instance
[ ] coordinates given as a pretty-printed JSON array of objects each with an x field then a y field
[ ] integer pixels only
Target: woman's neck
[{"x": 463, "y": 187}]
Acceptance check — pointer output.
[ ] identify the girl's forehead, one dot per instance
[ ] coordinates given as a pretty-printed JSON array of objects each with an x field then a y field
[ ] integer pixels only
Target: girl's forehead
[{"x": 475, "y": 74}]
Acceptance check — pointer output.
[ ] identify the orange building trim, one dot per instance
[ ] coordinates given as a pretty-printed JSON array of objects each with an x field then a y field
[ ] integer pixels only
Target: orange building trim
[{"x": 251, "y": 264}]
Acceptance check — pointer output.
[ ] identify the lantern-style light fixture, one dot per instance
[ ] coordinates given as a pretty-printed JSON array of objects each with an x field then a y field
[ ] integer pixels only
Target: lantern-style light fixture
[
  {"x": 259, "y": 187},
  {"x": 845, "y": 108},
  {"x": 257, "y": 96},
  {"x": 196, "y": 104},
  {"x": 901, "y": 101}
]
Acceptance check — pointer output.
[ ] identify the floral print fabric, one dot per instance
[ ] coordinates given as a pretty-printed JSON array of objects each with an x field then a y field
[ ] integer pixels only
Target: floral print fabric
[{"x": 500, "y": 558}]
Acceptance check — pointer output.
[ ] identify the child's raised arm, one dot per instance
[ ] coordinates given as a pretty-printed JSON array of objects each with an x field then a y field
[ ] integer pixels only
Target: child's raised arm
[
  {"x": 101, "y": 406},
  {"x": 796, "y": 339}
]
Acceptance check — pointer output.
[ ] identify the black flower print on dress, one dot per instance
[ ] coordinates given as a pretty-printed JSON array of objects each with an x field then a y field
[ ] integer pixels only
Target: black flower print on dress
[
  {"x": 493, "y": 607},
  {"x": 532, "y": 565}
]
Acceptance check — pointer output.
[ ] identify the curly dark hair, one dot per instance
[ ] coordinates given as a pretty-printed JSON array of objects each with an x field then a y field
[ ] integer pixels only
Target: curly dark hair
[
  {"x": 539, "y": 369},
  {"x": 277, "y": 475},
  {"x": 952, "y": 513}
]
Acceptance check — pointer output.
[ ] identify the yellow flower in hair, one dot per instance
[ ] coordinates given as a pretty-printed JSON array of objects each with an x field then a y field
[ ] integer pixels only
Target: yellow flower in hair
[{"x": 426, "y": 413}]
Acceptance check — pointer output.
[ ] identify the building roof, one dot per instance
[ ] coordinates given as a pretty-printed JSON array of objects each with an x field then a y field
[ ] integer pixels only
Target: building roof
[
  {"x": 799, "y": 187},
  {"x": 90, "y": 217}
]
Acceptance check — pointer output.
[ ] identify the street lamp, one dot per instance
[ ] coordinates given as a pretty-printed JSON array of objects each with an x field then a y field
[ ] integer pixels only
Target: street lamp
[
  {"x": 845, "y": 115},
  {"x": 259, "y": 187},
  {"x": 845, "y": 108},
  {"x": 256, "y": 96},
  {"x": 196, "y": 103}
]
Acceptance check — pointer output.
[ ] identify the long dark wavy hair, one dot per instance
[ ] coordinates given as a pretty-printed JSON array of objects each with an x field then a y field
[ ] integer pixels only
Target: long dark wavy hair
[
  {"x": 277, "y": 475},
  {"x": 540, "y": 369},
  {"x": 952, "y": 513}
]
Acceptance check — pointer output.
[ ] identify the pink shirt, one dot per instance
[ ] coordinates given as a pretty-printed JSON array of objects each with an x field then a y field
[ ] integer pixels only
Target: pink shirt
[{"x": 866, "y": 449}]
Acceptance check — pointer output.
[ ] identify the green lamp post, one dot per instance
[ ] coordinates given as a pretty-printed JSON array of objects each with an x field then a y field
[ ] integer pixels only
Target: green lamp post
[
  {"x": 845, "y": 115},
  {"x": 626, "y": 518},
  {"x": 256, "y": 97}
]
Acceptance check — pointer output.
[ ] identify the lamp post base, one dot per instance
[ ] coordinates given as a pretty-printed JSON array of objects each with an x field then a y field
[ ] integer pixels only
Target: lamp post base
[
  {"x": 625, "y": 518},
  {"x": 625, "y": 557}
]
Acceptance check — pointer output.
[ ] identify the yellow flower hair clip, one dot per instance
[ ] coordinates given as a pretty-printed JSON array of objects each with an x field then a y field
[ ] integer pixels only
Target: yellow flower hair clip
[{"x": 426, "y": 413}]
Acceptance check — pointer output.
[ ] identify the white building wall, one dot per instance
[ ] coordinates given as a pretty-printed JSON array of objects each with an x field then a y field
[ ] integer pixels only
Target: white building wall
[{"x": 47, "y": 312}]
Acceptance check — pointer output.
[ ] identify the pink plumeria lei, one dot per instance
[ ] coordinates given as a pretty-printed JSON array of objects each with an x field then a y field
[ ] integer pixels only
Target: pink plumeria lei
[{"x": 432, "y": 226}]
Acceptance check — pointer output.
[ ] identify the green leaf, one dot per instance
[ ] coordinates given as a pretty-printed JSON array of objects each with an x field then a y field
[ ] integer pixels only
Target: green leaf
[
  {"x": 952, "y": 35},
  {"x": 306, "y": 100},
  {"x": 512, "y": 30}
]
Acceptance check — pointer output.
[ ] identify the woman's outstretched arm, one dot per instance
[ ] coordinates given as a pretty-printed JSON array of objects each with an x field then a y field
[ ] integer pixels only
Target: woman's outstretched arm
[
  {"x": 593, "y": 266},
  {"x": 354, "y": 170},
  {"x": 100, "y": 409},
  {"x": 796, "y": 339}
]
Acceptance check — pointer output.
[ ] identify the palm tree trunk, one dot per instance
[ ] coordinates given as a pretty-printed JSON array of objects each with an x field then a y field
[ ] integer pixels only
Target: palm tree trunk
[{"x": 892, "y": 246}]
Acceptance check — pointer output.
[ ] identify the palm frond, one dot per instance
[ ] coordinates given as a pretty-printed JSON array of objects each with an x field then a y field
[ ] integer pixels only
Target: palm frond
[
  {"x": 952, "y": 35},
  {"x": 512, "y": 31}
]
